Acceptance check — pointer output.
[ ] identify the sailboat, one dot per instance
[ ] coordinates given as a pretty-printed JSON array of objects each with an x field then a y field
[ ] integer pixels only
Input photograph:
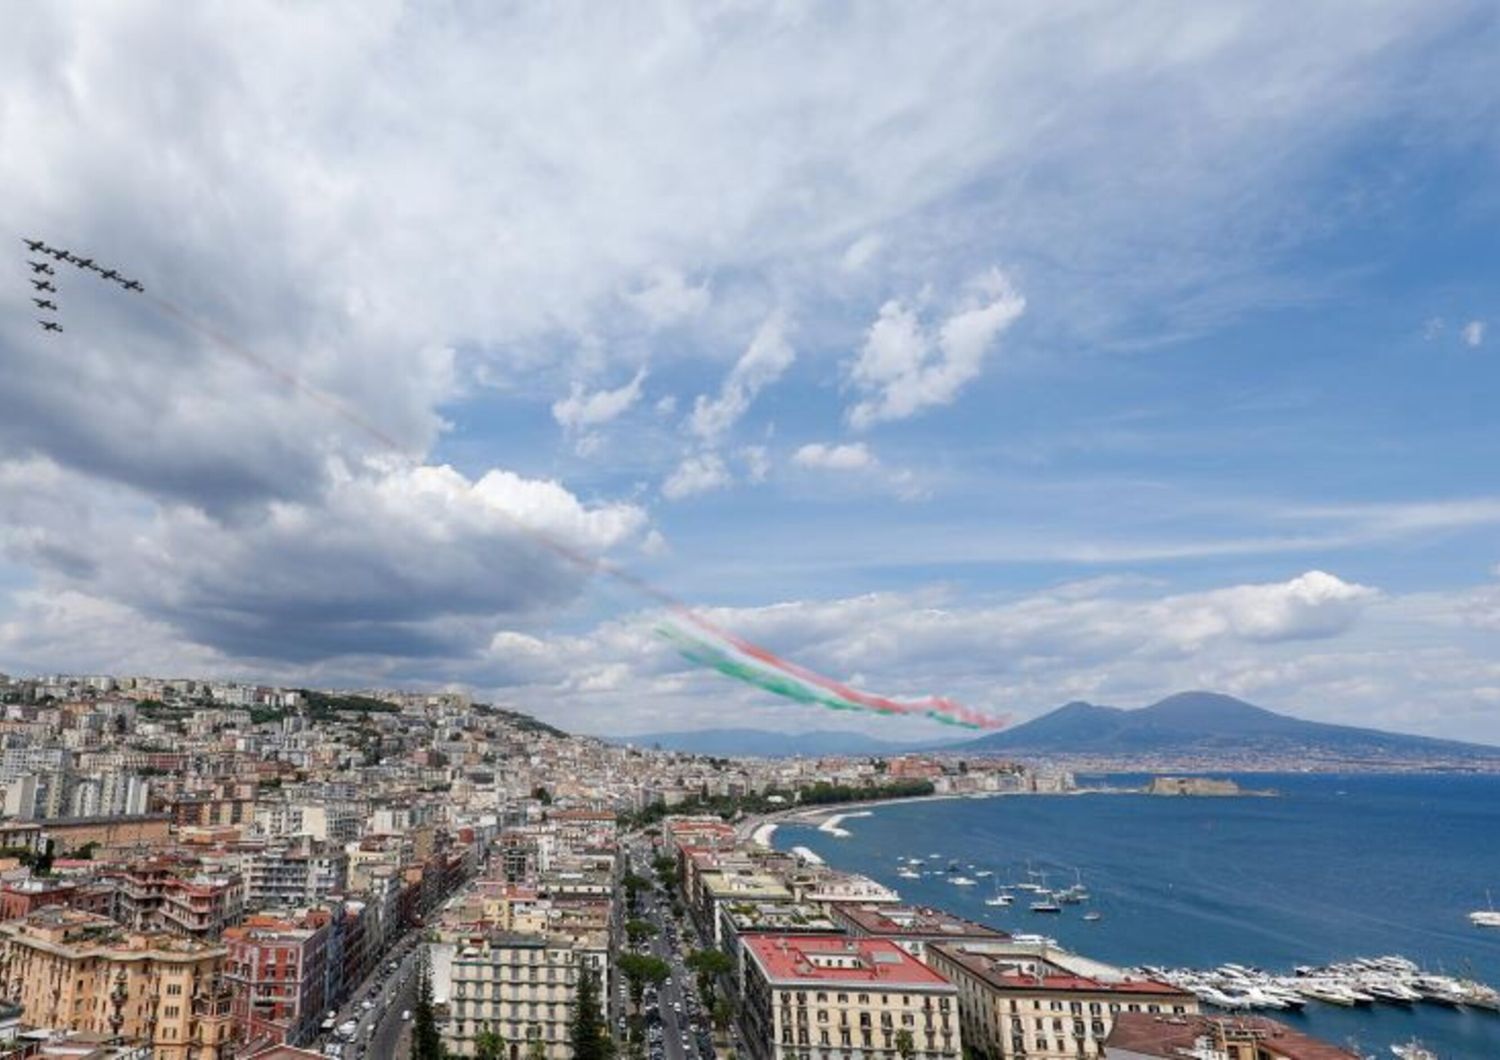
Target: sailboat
[
  {"x": 1076, "y": 893},
  {"x": 1489, "y": 917},
  {"x": 1000, "y": 897}
]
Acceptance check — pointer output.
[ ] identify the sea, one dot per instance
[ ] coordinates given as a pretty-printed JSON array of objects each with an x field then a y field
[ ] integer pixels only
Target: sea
[{"x": 1332, "y": 867}]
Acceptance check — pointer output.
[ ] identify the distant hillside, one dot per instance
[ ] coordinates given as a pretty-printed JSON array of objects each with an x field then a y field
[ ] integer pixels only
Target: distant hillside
[
  {"x": 759, "y": 743},
  {"x": 1207, "y": 724}
]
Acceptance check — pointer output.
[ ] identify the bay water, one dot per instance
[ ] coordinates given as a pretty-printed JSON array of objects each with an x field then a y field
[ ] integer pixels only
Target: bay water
[{"x": 1332, "y": 867}]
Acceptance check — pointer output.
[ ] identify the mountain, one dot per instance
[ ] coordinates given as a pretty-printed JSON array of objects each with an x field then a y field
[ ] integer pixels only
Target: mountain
[
  {"x": 762, "y": 744},
  {"x": 1210, "y": 724}
]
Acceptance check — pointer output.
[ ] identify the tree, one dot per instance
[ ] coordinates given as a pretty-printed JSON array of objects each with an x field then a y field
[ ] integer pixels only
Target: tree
[
  {"x": 905, "y": 1046},
  {"x": 536, "y": 1048},
  {"x": 640, "y": 971},
  {"x": 426, "y": 1043},
  {"x": 709, "y": 964},
  {"x": 638, "y": 931},
  {"x": 723, "y": 1014},
  {"x": 489, "y": 1045},
  {"x": 588, "y": 1035},
  {"x": 634, "y": 885}
]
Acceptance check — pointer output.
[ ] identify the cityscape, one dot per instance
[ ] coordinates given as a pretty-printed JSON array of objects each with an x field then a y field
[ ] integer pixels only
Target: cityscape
[{"x": 749, "y": 530}]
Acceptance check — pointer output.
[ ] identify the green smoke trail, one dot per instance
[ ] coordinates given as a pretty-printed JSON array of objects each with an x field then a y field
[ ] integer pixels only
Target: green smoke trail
[{"x": 696, "y": 651}]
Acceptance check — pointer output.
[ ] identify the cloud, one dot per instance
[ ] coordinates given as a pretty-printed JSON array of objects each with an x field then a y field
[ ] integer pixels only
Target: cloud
[
  {"x": 757, "y": 460},
  {"x": 902, "y": 370},
  {"x": 1473, "y": 333},
  {"x": 406, "y": 562},
  {"x": 699, "y": 473},
  {"x": 1103, "y": 638},
  {"x": 763, "y": 362},
  {"x": 850, "y": 457},
  {"x": 666, "y": 297},
  {"x": 861, "y": 252},
  {"x": 583, "y": 409}
]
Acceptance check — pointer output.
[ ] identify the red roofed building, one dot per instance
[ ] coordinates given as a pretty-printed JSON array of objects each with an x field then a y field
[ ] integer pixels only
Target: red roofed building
[
  {"x": 1139, "y": 1036},
  {"x": 912, "y": 927},
  {"x": 1033, "y": 1000},
  {"x": 816, "y": 997}
]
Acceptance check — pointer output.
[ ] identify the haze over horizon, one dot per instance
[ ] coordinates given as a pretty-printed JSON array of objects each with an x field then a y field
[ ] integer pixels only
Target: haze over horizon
[{"x": 988, "y": 351}]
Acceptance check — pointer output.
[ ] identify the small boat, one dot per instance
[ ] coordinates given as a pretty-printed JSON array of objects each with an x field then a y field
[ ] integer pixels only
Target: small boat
[
  {"x": 909, "y": 874},
  {"x": 1092, "y": 915},
  {"x": 983, "y": 873},
  {"x": 960, "y": 881},
  {"x": 1414, "y": 1050},
  {"x": 1487, "y": 917},
  {"x": 1045, "y": 905}
]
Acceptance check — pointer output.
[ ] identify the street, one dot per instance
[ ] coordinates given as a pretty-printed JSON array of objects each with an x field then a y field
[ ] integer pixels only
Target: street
[
  {"x": 677, "y": 1027},
  {"x": 376, "y": 1007}
]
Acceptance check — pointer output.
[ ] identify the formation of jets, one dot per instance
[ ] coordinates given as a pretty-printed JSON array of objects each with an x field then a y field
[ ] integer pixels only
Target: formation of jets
[{"x": 44, "y": 270}]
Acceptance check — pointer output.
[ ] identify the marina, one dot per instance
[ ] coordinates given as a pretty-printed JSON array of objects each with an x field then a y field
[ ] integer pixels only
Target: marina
[{"x": 1391, "y": 980}]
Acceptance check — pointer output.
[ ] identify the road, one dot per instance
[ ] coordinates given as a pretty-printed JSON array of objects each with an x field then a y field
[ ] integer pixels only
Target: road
[
  {"x": 674, "y": 1008},
  {"x": 381, "y": 1032}
]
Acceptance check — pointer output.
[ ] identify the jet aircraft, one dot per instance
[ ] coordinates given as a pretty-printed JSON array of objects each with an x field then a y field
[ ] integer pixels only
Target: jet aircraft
[
  {"x": 132, "y": 285},
  {"x": 59, "y": 254},
  {"x": 49, "y": 325},
  {"x": 43, "y": 285},
  {"x": 40, "y": 266},
  {"x": 42, "y": 303},
  {"x": 109, "y": 274},
  {"x": 85, "y": 263},
  {"x": 34, "y": 244}
]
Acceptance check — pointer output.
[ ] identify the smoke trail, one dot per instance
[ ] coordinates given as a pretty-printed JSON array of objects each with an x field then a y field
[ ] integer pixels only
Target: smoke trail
[{"x": 766, "y": 670}]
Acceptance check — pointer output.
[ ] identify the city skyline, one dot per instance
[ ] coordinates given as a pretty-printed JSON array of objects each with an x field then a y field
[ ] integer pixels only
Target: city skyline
[{"x": 1068, "y": 359}]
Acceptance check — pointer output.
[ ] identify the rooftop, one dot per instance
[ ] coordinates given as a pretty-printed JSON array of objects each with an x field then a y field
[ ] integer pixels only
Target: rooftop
[
  {"x": 821, "y": 959},
  {"x": 913, "y": 920},
  {"x": 1177, "y": 1036},
  {"x": 1031, "y": 971}
]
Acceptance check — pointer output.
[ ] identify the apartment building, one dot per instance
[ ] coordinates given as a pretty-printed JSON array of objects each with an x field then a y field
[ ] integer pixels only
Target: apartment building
[
  {"x": 912, "y": 927},
  {"x": 523, "y": 986},
  {"x": 277, "y": 971},
  {"x": 293, "y": 874},
  {"x": 814, "y": 997},
  {"x": 1035, "y": 1001},
  {"x": 172, "y": 895},
  {"x": 79, "y": 972},
  {"x": 1142, "y": 1036}
]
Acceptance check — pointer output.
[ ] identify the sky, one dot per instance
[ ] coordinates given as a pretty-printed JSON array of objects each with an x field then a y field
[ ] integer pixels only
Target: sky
[{"x": 1011, "y": 353}]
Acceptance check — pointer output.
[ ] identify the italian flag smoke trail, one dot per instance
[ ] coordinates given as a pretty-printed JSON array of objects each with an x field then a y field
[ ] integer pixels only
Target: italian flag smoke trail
[
  {"x": 755, "y": 666},
  {"x": 710, "y": 646}
]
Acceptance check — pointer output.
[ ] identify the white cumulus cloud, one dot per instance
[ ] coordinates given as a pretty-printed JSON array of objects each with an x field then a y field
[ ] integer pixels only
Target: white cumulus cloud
[
  {"x": 667, "y": 297},
  {"x": 1473, "y": 333},
  {"x": 763, "y": 362},
  {"x": 582, "y": 408},
  {"x": 699, "y": 473},
  {"x": 904, "y": 369},
  {"x": 851, "y": 457}
]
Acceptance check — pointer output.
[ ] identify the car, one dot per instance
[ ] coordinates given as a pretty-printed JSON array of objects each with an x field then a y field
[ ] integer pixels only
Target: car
[{"x": 405, "y": 1014}]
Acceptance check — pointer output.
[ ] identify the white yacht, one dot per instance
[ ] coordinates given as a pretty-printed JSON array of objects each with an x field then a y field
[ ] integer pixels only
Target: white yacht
[
  {"x": 1414, "y": 1050},
  {"x": 960, "y": 881}
]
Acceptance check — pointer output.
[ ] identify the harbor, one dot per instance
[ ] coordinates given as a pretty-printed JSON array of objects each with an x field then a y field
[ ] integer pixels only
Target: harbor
[{"x": 1390, "y": 980}]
